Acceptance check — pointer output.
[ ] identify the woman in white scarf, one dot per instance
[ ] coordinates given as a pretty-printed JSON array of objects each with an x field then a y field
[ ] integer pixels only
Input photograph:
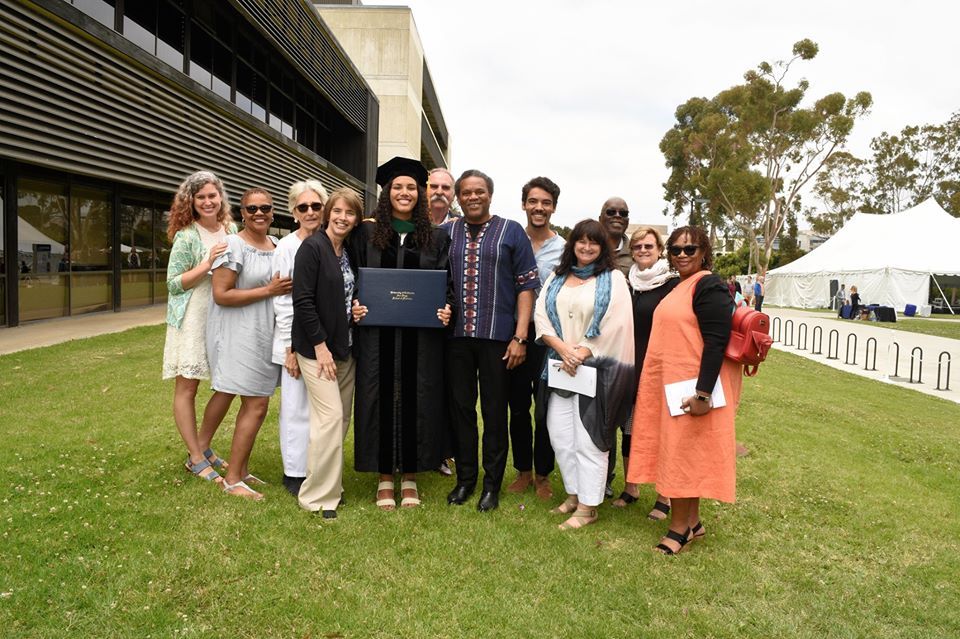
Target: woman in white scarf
[{"x": 650, "y": 280}]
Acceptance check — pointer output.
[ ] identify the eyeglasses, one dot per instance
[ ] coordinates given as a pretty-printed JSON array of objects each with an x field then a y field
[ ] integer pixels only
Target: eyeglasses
[
  {"x": 643, "y": 247},
  {"x": 253, "y": 208},
  {"x": 688, "y": 249},
  {"x": 316, "y": 207},
  {"x": 617, "y": 212}
]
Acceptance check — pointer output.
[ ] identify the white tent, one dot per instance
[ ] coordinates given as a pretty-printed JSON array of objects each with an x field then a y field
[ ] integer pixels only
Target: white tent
[{"x": 889, "y": 258}]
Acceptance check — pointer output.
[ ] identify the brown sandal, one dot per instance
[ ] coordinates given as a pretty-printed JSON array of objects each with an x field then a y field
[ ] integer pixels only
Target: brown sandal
[{"x": 568, "y": 507}]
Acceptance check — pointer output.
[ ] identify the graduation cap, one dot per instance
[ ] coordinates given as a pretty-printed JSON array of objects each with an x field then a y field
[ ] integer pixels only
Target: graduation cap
[{"x": 402, "y": 166}]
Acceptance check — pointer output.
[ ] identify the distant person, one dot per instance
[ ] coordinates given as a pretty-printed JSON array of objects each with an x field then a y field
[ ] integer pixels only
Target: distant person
[
  {"x": 841, "y": 298},
  {"x": 24, "y": 267},
  {"x": 732, "y": 285},
  {"x": 440, "y": 196},
  {"x": 748, "y": 291},
  {"x": 854, "y": 303},
  {"x": 133, "y": 260},
  {"x": 758, "y": 291}
]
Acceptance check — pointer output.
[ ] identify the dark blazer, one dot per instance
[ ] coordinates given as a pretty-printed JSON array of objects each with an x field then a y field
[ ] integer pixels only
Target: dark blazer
[{"x": 319, "y": 311}]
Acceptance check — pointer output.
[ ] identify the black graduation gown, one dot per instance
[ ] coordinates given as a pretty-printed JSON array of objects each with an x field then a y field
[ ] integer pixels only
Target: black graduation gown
[{"x": 400, "y": 410}]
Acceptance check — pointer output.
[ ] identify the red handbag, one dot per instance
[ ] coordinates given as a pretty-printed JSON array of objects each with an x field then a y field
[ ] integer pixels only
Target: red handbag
[{"x": 749, "y": 339}]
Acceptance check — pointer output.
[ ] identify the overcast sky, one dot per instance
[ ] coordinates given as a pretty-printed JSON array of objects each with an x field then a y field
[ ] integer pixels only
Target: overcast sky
[{"x": 582, "y": 92}]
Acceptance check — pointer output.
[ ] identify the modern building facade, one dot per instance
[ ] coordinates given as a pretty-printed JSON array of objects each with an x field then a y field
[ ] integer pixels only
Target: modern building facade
[
  {"x": 106, "y": 105},
  {"x": 384, "y": 44}
]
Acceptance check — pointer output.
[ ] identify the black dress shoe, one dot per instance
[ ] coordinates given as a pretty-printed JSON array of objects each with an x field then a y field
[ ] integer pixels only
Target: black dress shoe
[
  {"x": 489, "y": 500},
  {"x": 459, "y": 494},
  {"x": 292, "y": 484}
]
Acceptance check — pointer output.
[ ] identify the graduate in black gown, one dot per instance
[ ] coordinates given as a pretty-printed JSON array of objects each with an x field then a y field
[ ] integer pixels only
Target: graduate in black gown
[{"x": 400, "y": 415}]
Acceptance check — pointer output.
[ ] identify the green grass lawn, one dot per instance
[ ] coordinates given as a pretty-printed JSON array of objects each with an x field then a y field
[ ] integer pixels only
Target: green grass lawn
[
  {"x": 940, "y": 328},
  {"x": 847, "y": 525}
]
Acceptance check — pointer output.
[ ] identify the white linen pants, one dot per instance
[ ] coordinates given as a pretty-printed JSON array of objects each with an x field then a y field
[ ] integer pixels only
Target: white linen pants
[
  {"x": 331, "y": 402},
  {"x": 294, "y": 425},
  {"x": 583, "y": 466}
]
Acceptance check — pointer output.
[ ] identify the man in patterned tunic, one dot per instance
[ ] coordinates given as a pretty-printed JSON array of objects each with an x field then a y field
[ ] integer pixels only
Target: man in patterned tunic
[{"x": 494, "y": 278}]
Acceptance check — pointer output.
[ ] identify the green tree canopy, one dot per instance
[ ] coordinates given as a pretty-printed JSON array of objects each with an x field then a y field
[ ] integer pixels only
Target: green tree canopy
[{"x": 748, "y": 152}]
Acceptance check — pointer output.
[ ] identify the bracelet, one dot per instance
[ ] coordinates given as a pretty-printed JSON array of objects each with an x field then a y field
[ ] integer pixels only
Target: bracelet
[{"x": 519, "y": 340}]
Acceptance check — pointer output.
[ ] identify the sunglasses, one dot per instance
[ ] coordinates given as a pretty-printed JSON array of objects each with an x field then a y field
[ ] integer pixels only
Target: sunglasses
[
  {"x": 643, "y": 247},
  {"x": 689, "y": 249},
  {"x": 253, "y": 208},
  {"x": 316, "y": 207},
  {"x": 617, "y": 212}
]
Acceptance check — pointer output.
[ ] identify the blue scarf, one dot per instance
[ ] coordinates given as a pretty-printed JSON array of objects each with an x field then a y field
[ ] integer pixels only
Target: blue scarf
[{"x": 600, "y": 303}]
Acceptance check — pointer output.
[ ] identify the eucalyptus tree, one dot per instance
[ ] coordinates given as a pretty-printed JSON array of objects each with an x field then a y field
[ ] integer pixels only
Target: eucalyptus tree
[{"x": 752, "y": 149}]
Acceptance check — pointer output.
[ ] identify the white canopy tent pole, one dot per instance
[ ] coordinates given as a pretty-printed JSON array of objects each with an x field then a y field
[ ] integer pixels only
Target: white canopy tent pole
[{"x": 942, "y": 294}]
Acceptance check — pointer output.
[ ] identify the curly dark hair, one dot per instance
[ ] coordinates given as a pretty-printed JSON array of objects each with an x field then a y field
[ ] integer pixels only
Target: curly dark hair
[
  {"x": 544, "y": 183},
  {"x": 423, "y": 233},
  {"x": 696, "y": 236},
  {"x": 593, "y": 231}
]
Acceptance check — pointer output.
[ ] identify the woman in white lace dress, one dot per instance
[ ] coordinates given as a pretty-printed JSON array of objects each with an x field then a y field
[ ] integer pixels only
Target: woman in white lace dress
[{"x": 198, "y": 225}]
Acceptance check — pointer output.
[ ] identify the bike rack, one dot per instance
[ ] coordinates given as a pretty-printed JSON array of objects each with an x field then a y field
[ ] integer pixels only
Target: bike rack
[
  {"x": 919, "y": 361},
  {"x": 802, "y": 331},
  {"x": 866, "y": 355},
  {"x": 775, "y": 329},
  {"x": 846, "y": 355},
  {"x": 946, "y": 386},
  {"x": 830, "y": 344},
  {"x": 818, "y": 340},
  {"x": 896, "y": 360},
  {"x": 788, "y": 329}
]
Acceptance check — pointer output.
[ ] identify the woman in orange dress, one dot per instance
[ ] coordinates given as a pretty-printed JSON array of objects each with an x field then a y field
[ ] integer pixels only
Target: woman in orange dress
[{"x": 692, "y": 455}]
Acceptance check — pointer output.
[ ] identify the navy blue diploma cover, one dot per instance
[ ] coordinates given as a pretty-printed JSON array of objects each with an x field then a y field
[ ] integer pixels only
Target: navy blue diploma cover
[{"x": 402, "y": 297}]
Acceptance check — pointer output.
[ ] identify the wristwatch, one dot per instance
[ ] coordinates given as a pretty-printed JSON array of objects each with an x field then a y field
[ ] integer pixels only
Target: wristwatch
[
  {"x": 519, "y": 340},
  {"x": 702, "y": 398}
]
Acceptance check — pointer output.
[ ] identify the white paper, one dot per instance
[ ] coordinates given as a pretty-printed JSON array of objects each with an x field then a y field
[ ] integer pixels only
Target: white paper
[
  {"x": 584, "y": 382},
  {"x": 678, "y": 390}
]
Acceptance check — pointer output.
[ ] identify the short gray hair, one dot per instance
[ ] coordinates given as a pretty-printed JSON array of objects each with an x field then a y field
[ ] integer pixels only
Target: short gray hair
[{"x": 299, "y": 188}]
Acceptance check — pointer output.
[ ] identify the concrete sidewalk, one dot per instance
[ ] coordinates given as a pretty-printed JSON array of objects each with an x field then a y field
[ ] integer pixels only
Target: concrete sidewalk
[
  {"x": 64, "y": 329},
  {"x": 846, "y": 353}
]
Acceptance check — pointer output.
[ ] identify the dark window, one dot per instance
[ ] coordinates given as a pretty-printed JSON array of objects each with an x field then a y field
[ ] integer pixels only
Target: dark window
[
  {"x": 222, "y": 70},
  {"x": 171, "y": 34},
  {"x": 140, "y": 24},
  {"x": 245, "y": 81},
  {"x": 201, "y": 55},
  {"x": 103, "y": 11}
]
